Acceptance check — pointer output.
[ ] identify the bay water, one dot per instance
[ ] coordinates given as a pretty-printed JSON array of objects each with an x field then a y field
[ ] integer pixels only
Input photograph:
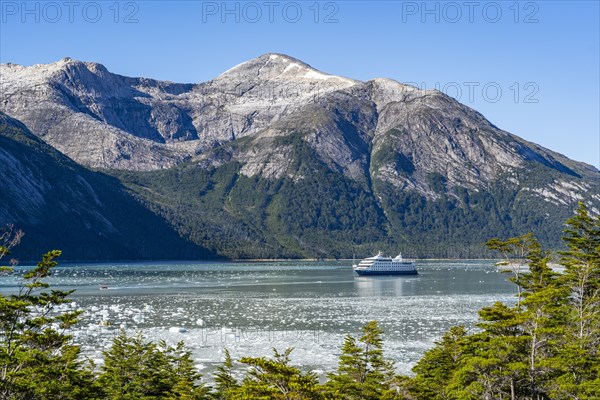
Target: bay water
[{"x": 250, "y": 308}]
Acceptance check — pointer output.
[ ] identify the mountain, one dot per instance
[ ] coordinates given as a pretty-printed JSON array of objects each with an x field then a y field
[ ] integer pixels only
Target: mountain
[
  {"x": 274, "y": 158},
  {"x": 105, "y": 120},
  {"x": 89, "y": 215}
]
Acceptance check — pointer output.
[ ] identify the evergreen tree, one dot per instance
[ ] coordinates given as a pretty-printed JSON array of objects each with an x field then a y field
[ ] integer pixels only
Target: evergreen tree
[
  {"x": 225, "y": 383},
  {"x": 545, "y": 347},
  {"x": 275, "y": 379},
  {"x": 578, "y": 358},
  {"x": 37, "y": 358},
  {"x": 515, "y": 252},
  {"x": 136, "y": 369},
  {"x": 434, "y": 370},
  {"x": 363, "y": 372}
]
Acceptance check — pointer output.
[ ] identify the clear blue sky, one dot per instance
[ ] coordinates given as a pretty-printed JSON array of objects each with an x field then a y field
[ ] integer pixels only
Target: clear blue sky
[{"x": 544, "y": 56}]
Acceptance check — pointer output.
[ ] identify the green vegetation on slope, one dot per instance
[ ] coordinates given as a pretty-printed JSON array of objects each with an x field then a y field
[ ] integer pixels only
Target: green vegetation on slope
[{"x": 312, "y": 211}]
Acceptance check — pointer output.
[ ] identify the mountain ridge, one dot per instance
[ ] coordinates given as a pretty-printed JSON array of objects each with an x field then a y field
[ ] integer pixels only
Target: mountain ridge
[
  {"x": 384, "y": 93},
  {"x": 249, "y": 149}
]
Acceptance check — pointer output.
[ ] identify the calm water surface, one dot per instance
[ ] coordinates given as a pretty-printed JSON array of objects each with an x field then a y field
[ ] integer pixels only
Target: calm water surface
[{"x": 249, "y": 308}]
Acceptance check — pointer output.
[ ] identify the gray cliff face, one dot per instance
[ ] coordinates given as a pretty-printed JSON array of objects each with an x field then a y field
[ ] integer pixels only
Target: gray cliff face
[{"x": 376, "y": 130}]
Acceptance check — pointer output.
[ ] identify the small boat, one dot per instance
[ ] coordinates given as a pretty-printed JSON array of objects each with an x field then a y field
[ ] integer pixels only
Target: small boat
[
  {"x": 103, "y": 287},
  {"x": 380, "y": 265}
]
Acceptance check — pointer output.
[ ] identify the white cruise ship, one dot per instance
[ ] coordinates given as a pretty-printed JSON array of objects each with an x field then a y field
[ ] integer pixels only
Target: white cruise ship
[{"x": 380, "y": 265}]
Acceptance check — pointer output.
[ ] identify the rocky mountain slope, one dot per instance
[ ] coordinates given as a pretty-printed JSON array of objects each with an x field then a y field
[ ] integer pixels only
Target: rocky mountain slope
[
  {"x": 60, "y": 204},
  {"x": 275, "y": 158},
  {"x": 106, "y": 120}
]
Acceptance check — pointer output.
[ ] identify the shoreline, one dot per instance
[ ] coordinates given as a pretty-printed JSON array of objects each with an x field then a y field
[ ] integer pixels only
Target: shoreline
[{"x": 68, "y": 263}]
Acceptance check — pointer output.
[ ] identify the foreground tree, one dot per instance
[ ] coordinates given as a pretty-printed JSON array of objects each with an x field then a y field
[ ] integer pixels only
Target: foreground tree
[
  {"x": 9, "y": 238},
  {"x": 37, "y": 359},
  {"x": 225, "y": 382},
  {"x": 272, "y": 378},
  {"x": 516, "y": 252},
  {"x": 545, "y": 347},
  {"x": 363, "y": 372},
  {"x": 140, "y": 370},
  {"x": 434, "y": 370},
  {"x": 577, "y": 361}
]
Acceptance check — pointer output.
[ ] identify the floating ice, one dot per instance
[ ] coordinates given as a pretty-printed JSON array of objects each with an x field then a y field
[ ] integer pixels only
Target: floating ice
[
  {"x": 139, "y": 318},
  {"x": 236, "y": 308}
]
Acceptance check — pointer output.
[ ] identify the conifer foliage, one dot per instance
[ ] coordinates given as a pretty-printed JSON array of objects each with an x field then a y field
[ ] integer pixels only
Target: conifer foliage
[
  {"x": 37, "y": 358},
  {"x": 363, "y": 371},
  {"x": 546, "y": 346}
]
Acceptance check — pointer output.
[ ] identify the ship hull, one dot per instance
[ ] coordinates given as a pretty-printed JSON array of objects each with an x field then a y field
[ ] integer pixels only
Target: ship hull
[{"x": 379, "y": 273}]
